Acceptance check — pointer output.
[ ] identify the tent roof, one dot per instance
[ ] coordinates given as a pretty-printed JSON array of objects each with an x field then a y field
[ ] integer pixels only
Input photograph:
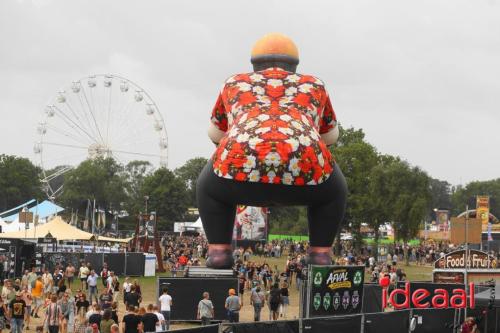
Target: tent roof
[
  {"x": 483, "y": 298},
  {"x": 59, "y": 230},
  {"x": 197, "y": 224},
  {"x": 43, "y": 210}
]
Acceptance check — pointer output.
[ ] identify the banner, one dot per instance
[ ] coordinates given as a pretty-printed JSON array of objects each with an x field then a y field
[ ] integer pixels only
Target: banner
[
  {"x": 442, "y": 220},
  {"x": 483, "y": 210},
  {"x": 147, "y": 226},
  {"x": 336, "y": 290},
  {"x": 459, "y": 260},
  {"x": 250, "y": 223}
]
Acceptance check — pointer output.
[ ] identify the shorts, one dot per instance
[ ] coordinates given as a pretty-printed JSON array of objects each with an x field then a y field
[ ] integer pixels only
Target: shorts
[
  {"x": 70, "y": 279},
  {"x": 285, "y": 300},
  {"x": 83, "y": 279},
  {"x": 2, "y": 323}
]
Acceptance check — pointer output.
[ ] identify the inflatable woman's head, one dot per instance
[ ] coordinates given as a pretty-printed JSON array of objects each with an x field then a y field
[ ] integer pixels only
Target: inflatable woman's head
[{"x": 275, "y": 50}]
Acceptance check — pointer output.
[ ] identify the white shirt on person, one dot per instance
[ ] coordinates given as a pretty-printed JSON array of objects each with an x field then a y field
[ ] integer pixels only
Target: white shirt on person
[
  {"x": 165, "y": 301},
  {"x": 159, "y": 324}
]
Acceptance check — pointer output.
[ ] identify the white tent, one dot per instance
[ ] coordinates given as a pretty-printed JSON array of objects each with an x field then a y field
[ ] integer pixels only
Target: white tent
[{"x": 197, "y": 224}]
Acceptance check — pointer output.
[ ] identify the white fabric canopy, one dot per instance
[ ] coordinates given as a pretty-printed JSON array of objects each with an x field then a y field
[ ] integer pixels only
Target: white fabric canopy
[{"x": 59, "y": 230}]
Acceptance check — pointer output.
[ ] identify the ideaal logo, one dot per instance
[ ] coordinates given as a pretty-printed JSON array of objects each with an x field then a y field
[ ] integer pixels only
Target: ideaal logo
[{"x": 440, "y": 299}]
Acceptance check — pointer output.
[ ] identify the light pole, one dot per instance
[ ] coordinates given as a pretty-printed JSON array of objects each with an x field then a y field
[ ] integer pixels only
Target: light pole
[{"x": 146, "y": 198}]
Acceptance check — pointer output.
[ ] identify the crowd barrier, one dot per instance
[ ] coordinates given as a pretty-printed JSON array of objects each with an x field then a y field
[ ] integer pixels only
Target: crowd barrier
[
  {"x": 130, "y": 263},
  {"x": 425, "y": 321}
]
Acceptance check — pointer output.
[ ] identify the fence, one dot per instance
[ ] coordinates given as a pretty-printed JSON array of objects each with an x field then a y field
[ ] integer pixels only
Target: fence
[
  {"x": 131, "y": 264},
  {"x": 424, "y": 321}
]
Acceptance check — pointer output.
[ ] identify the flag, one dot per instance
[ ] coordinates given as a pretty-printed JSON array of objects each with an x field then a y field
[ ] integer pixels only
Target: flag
[{"x": 490, "y": 238}]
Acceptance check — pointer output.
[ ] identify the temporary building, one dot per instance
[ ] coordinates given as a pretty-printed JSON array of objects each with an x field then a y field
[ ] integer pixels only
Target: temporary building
[
  {"x": 9, "y": 220},
  {"x": 61, "y": 231}
]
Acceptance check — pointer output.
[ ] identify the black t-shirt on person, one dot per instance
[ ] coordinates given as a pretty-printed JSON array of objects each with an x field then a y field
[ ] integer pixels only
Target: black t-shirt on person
[
  {"x": 131, "y": 321},
  {"x": 149, "y": 321},
  {"x": 133, "y": 299},
  {"x": 95, "y": 318}
]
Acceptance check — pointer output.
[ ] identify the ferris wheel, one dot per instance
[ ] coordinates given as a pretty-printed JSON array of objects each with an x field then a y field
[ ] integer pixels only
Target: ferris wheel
[{"x": 98, "y": 116}]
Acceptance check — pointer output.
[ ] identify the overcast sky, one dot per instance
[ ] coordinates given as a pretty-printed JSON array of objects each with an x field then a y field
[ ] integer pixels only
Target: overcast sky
[{"x": 421, "y": 78}]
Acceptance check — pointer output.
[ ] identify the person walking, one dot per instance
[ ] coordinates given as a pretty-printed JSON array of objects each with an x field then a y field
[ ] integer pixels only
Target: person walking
[
  {"x": 17, "y": 311},
  {"x": 53, "y": 315},
  {"x": 233, "y": 306},
  {"x": 285, "y": 300},
  {"x": 92, "y": 285},
  {"x": 149, "y": 320},
  {"x": 130, "y": 321},
  {"x": 133, "y": 298},
  {"x": 70, "y": 274},
  {"x": 37, "y": 294},
  {"x": 83, "y": 274},
  {"x": 205, "y": 310},
  {"x": 165, "y": 301},
  {"x": 274, "y": 300},
  {"x": 257, "y": 299},
  {"x": 106, "y": 322}
]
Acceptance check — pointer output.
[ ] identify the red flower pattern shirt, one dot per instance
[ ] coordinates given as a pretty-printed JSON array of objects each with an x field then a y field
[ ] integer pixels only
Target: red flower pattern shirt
[{"x": 272, "y": 121}]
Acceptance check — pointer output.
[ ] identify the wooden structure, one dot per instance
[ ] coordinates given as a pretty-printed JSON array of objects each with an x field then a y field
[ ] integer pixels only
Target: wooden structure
[
  {"x": 458, "y": 227},
  {"x": 146, "y": 238}
]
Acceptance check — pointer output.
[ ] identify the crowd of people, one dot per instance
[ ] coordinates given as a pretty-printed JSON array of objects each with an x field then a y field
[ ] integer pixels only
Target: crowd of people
[{"x": 71, "y": 299}]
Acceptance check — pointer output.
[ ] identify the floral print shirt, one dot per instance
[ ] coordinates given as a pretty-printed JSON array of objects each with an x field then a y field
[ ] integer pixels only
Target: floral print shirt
[{"x": 272, "y": 121}]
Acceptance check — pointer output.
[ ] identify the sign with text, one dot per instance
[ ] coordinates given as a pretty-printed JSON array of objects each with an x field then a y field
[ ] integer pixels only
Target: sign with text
[
  {"x": 336, "y": 290},
  {"x": 459, "y": 260},
  {"x": 483, "y": 210}
]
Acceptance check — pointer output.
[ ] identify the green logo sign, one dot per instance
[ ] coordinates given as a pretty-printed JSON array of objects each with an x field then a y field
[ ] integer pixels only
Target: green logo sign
[
  {"x": 318, "y": 278},
  {"x": 317, "y": 301},
  {"x": 357, "y": 278},
  {"x": 327, "y": 301}
]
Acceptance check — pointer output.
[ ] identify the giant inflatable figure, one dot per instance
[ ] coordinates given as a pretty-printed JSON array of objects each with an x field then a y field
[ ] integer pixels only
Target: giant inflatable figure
[{"x": 272, "y": 128}]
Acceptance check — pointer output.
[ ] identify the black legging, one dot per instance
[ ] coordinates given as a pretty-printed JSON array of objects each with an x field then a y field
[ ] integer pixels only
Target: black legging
[{"x": 217, "y": 199}]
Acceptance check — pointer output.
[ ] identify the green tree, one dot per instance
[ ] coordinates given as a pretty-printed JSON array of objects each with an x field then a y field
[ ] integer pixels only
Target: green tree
[
  {"x": 168, "y": 196},
  {"x": 440, "y": 196},
  {"x": 135, "y": 174},
  {"x": 356, "y": 158},
  {"x": 189, "y": 173},
  {"x": 467, "y": 196},
  {"x": 99, "y": 179},
  {"x": 19, "y": 181}
]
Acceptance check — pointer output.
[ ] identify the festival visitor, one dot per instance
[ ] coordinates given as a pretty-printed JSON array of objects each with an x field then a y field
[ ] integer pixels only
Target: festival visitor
[
  {"x": 95, "y": 328},
  {"x": 70, "y": 274},
  {"x": 274, "y": 301},
  {"x": 32, "y": 276},
  {"x": 133, "y": 298},
  {"x": 257, "y": 299},
  {"x": 106, "y": 322},
  {"x": 3, "y": 312},
  {"x": 285, "y": 300},
  {"x": 160, "y": 325},
  {"x": 37, "y": 294},
  {"x": 137, "y": 287},
  {"x": 130, "y": 321},
  {"x": 469, "y": 326},
  {"x": 48, "y": 283},
  {"x": 17, "y": 312},
  {"x": 149, "y": 320},
  {"x": 83, "y": 274},
  {"x": 114, "y": 312},
  {"x": 96, "y": 316},
  {"x": 104, "y": 275},
  {"x": 115, "y": 328},
  {"x": 80, "y": 322},
  {"x": 233, "y": 306},
  {"x": 82, "y": 303},
  {"x": 205, "y": 311},
  {"x": 165, "y": 301},
  {"x": 126, "y": 288},
  {"x": 53, "y": 315},
  {"x": 28, "y": 299},
  {"x": 92, "y": 285},
  {"x": 67, "y": 311}
]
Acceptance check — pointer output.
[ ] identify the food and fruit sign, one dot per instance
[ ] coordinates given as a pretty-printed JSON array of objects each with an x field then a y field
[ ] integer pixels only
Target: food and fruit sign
[
  {"x": 336, "y": 290},
  {"x": 473, "y": 260}
]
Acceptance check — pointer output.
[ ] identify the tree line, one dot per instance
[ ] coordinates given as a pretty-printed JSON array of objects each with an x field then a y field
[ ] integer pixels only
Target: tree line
[{"x": 382, "y": 188}]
